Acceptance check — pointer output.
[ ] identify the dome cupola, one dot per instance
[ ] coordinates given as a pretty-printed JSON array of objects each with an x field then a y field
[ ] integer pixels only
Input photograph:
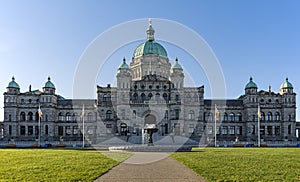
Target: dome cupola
[
  {"x": 176, "y": 65},
  {"x": 150, "y": 46},
  {"x": 124, "y": 65},
  {"x": 251, "y": 84},
  {"x": 286, "y": 84},
  {"x": 13, "y": 84},
  {"x": 49, "y": 84}
]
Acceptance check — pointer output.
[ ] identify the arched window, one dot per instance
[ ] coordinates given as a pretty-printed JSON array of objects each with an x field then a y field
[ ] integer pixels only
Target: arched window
[
  {"x": 196, "y": 98},
  {"x": 143, "y": 97},
  {"x": 277, "y": 116},
  {"x": 68, "y": 117},
  {"x": 263, "y": 116},
  {"x": 105, "y": 98},
  {"x": 165, "y": 96},
  {"x": 239, "y": 116},
  {"x": 225, "y": 117},
  {"x": 150, "y": 95},
  {"x": 60, "y": 117},
  {"x": 157, "y": 96},
  {"x": 176, "y": 97},
  {"x": 135, "y": 96},
  {"x": 134, "y": 114},
  {"x": 191, "y": 115},
  {"x": 269, "y": 117},
  {"x": 30, "y": 116},
  {"x": 232, "y": 116},
  {"x": 109, "y": 114}
]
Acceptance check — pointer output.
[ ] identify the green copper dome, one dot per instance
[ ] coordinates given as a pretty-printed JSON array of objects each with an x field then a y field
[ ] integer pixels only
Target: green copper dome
[
  {"x": 124, "y": 64},
  {"x": 176, "y": 65},
  {"x": 150, "y": 46},
  {"x": 49, "y": 84},
  {"x": 286, "y": 84},
  {"x": 13, "y": 84},
  {"x": 251, "y": 84}
]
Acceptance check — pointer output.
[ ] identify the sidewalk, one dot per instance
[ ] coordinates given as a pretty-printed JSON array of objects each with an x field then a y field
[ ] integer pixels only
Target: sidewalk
[{"x": 150, "y": 166}]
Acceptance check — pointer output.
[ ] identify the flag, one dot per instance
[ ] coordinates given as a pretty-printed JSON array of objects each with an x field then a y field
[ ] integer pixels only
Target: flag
[
  {"x": 258, "y": 112},
  {"x": 40, "y": 112},
  {"x": 217, "y": 113},
  {"x": 82, "y": 113}
]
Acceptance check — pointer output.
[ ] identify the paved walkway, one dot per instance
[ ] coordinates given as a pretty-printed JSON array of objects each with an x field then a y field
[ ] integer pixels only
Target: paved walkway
[{"x": 150, "y": 166}]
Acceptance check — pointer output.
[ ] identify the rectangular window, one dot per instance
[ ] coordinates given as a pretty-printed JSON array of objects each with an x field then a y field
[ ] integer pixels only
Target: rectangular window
[
  {"x": 262, "y": 130},
  {"x": 36, "y": 130},
  {"x": 239, "y": 130},
  {"x": 269, "y": 130},
  {"x": 75, "y": 130},
  {"x": 30, "y": 130},
  {"x": 60, "y": 130},
  {"x": 277, "y": 130},
  {"x": 224, "y": 130},
  {"x": 231, "y": 130},
  {"x": 22, "y": 130},
  {"x": 210, "y": 130},
  {"x": 68, "y": 130},
  {"x": 9, "y": 129}
]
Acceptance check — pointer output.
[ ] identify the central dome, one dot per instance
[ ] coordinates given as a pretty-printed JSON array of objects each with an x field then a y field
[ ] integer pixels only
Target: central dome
[{"x": 150, "y": 46}]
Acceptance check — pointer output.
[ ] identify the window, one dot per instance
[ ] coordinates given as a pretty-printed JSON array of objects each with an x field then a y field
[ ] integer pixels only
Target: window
[
  {"x": 277, "y": 116},
  {"x": 68, "y": 130},
  {"x": 135, "y": 96},
  {"x": 37, "y": 131},
  {"x": 239, "y": 116},
  {"x": 9, "y": 129},
  {"x": 210, "y": 130},
  {"x": 46, "y": 130},
  {"x": 225, "y": 117},
  {"x": 90, "y": 116},
  {"x": 269, "y": 130},
  {"x": 177, "y": 98},
  {"x": 263, "y": 118},
  {"x": 9, "y": 117},
  {"x": 22, "y": 116},
  {"x": 166, "y": 114},
  {"x": 191, "y": 115},
  {"x": 165, "y": 96},
  {"x": 134, "y": 114},
  {"x": 22, "y": 130},
  {"x": 30, "y": 116},
  {"x": 68, "y": 117},
  {"x": 239, "y": 130},
  {"x": 262, "y": 130},
  {"x": 143, "y": 97},
  {"x": 30, "y": 130},
  {"x": 290, "y": 117},
  {"x": 224, "y": 130},
  {"x": 123, "y": 113},
  {"x": 253, "y": 117},
  {"x": 37, "y": 117},
  {"x": 150, "y": 96},
  {"x": 106, "y": 98},
  {"x": 269, "y": 116},
  {"x": 289, "y": 129},
  {"x": 60, "y": 130},
  {"x": 231, "y": 130},
  {"x": 277, "y": 130},
  {"x": 232, "y": 116},
  {"x": 177, "y": 113},
  {"x": 253, "y": 130},
  {"x": 108, "y": 114},
  {"x": 60, "y": 117},
  {"x": 75, "y": 117},
  {"x": 75, "y": 130}
]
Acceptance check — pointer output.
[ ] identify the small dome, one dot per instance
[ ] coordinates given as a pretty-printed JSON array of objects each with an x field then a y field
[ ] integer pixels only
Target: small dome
[
  {"x": 13, "y": 84},
  {"x": 124, "y": 64},
  {"x": 49, "y": 84},
  {"x": 150, "y": 46},
  {"x": 286, "y": 84},
  {"x": 251, "y": 84},
  {"x": 176, "y": 65}
]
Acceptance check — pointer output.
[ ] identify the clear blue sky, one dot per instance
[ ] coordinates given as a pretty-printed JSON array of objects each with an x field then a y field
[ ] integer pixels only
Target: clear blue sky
[{"x": 250, "y": 38}]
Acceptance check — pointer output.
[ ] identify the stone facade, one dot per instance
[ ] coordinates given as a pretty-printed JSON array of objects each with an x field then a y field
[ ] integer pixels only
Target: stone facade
[{"x": 150, "y": 91}]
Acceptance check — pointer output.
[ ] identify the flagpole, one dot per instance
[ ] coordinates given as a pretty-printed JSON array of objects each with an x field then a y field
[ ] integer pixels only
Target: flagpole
[
  {"x": 258, "y": 127},
  {"x": 39, "y": 143},
  {"x": 83, "y": 126},
  {"x": 215, "y": 132}
]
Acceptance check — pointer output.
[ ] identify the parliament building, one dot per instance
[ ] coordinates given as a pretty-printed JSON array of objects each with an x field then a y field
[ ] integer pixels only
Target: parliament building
[{"x": 150, "y": 91}]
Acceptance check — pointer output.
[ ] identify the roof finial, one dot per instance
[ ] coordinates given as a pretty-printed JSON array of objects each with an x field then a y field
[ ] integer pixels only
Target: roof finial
[
  {"x": 13, "y": 78},
  {"x": 150, "y": 31},
  {"x": 124, "y": 60},
  {"x": 150, "y": 22},
  {"x": 270, "y": 88},
  {"x": 49, "y": 78},
  {"x": 251, "y": 78}
]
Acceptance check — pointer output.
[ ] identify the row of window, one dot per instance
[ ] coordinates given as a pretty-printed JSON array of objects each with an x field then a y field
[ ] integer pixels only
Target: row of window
[
  {"x": 225, "y": 130},
  {"x": 225, "y": 117}
]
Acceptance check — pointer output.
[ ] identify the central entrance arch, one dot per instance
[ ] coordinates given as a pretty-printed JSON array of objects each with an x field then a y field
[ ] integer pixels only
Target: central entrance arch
[{"x": 150, "y": 119}]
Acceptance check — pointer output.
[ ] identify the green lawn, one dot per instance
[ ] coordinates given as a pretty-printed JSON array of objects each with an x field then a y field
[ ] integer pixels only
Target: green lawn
[
  {"x": 54, "y": 165},
  {"x": 244, "y": 164}
]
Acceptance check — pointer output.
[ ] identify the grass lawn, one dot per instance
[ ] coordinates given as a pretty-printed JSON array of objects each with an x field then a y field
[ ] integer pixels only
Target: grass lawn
[
  {"x": 244, "y": 164},
  {"x": 54, "y": 164}
]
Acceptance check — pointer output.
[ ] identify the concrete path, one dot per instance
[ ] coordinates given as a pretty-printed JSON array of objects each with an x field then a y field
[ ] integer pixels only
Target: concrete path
[{"x": 150, "y": 166}]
